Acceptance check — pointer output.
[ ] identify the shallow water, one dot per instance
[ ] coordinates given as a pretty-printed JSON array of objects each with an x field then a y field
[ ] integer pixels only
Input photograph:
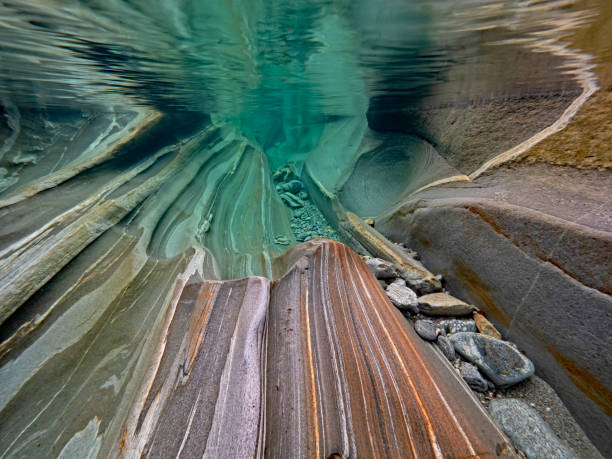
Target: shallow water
[{"x": 293, "y": 64}]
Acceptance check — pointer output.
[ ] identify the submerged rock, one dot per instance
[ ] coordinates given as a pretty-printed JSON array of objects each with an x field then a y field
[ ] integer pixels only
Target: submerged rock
[
  {"x": 403, "y": 298},
  {"x": 443, "y": 304},
  {"x": 381, "y": 269},
  {"x": 473, "y": 378},
  {"x": 426, "y": 330},
  {"x": 292, "y": 186},
  {"x": 497, "y": 359},
  {"x": 527, "y": 430},
  {"x": 485, "y": 327}
]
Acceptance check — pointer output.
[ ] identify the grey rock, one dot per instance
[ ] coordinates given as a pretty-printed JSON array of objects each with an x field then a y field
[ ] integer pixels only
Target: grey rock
[
  {"x": 426, "y": 330},
  {"x": 497, "y": 359},
  {"x": 403, "y": 298},
  {"x": 451, "y": 326},
  {"x": 473, "y": 378},
  {"x": 291, "y": 200},
  {"x": 293, "y": 186},
  {"x": 447, "y": 348},
  {"x": 443, "y": 304},
  {"x": 527, "y": 430},
  {"x": 399, "y": 281},
  {"x": 381, "y": 269}
]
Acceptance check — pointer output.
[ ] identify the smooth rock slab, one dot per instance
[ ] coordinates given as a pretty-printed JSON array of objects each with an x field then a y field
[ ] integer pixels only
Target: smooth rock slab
[
  {"x": 426, "y": 330},
  {"x": 473, "y": 378},
  {"x": 497, "y": 359},
  {"x": 527, "y": 430},
  {"x": 443, "y": 304},
  {"x": 403, "y": 298},
  {"x": 381, "y": 269}
]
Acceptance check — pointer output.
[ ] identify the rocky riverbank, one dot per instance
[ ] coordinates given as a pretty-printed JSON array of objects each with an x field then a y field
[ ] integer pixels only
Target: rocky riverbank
[{"x": 524, "y": 406}]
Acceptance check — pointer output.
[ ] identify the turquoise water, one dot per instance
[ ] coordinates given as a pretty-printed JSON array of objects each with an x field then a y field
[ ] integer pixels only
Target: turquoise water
[{"x": 279, "y": 70}]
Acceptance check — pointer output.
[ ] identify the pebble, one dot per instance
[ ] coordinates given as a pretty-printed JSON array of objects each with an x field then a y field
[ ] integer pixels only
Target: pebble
[
  {"x": 527, "y": 430},
  {"x": 497, "y": 359},
  {"x": 447, "y": 348},
  {"x": 426, "y": 330},
  {"x": 451, "y": 326},
  {"x": 381, "y": 269},
  {"x": 473, "y": 378},
  {"x": 443, "y": 304},
  {"x": 485, "y": 327},
  {"x": 403, "y": 298}
]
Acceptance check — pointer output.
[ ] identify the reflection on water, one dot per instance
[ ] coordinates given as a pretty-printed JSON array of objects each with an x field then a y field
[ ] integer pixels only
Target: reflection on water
[{"x": 302, "y": 59}]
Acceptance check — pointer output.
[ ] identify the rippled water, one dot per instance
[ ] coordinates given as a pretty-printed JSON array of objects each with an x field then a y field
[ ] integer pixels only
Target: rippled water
[{"x": 311, "y": 58}]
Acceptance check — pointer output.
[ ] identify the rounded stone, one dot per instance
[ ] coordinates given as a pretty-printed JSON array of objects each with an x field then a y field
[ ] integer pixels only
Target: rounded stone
[
  {"x": 498, "y": 360},
  {"x": 443, "y": 304},
  {"x": 527, "y": 430},
  {"x": 403, "y": 298},
  {"x": 426, "y": 330}
]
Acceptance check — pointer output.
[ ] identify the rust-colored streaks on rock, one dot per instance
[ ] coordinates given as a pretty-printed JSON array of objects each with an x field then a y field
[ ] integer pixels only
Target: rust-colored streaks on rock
[
  {"x": 347, "y": 376},
  {"x": 586, "y": 382},
  {"x": 206, "y": 393},
  {"x": 478, "y": 289}
]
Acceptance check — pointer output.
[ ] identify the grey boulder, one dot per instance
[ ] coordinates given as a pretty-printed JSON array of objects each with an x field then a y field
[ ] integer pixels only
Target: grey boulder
[
  {"x": 403, "y": 298},
  {"x": 527, "y": 430},
  {"x": 381, "y": 269},
  {"x": 447, "y": 348},
  {"x": 473, "y": 378},
  {"x": 497, "y": 359},
  {"x": 426, "y": 330}
]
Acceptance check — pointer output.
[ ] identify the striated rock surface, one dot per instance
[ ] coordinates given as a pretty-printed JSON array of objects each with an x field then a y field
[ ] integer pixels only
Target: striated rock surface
[{"x": 183, "y": 366}]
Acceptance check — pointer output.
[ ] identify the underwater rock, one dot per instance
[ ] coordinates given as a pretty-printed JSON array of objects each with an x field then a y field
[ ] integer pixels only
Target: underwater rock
[
  {"x": 403, "y": 298},
  {"x": 381, "y": 269},
  {"x": 497, "y": 359},
  {"x": 485, "y": 327},
  {"x": 527, "y": 430},
  {"x": 443, "y": 304},
  {"x": 291, "y": 200},
  {"x": 447, "y": 348},
  {"x": 292, "y": 186},
  {"x": 473, "y": 378},
  {"x": 285, "y": 173},
  {"x": 426, "y": 330}
]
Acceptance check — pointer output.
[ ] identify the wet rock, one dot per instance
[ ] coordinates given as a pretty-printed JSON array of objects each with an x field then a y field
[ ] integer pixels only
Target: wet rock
[
  {"x": 291, "y": 200},
  {"x": 497, "y": 359},
  {"x": 451, "y": 326},
  {"x": 281, "y": 240},
  {"x": 403, "y": 298},
  {"x": 285, "y": 173},
  {"x": 447, "y": 348},
  {"x": 443, "y": 304},
  {"x": 381, "y": 269},
  {"x": 473, "y": 378},
  {"x": 292, "y": 186},
  {"x": 303, "y": 195},
  {"x": 485, "y": 327},
  {"x": 527, "y": 430},
  {"x": 426, "y": 330}
]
